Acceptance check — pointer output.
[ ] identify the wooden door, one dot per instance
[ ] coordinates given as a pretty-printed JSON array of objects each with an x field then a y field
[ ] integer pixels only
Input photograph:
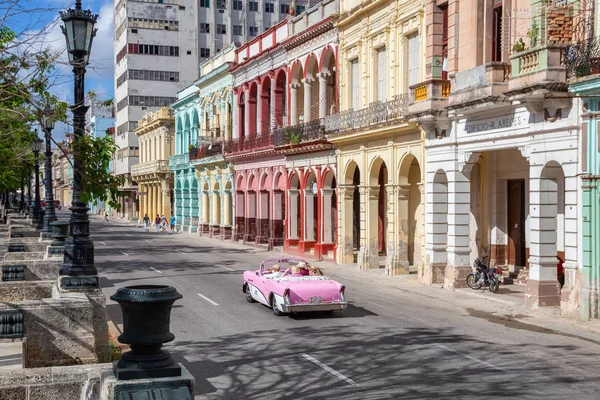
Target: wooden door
[{"x": 516, "y": 222}]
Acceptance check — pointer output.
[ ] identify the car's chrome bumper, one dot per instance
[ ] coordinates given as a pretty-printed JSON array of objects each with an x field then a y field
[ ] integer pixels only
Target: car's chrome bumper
[{"x": 307, "y": 307}]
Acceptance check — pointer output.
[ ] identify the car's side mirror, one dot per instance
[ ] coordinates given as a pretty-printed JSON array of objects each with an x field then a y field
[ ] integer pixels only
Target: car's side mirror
[{"x": 256, "y": 273}]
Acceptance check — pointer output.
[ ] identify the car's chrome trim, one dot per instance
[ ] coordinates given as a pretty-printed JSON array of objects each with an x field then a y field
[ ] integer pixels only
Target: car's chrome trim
[{"x": 302, "y": 307}]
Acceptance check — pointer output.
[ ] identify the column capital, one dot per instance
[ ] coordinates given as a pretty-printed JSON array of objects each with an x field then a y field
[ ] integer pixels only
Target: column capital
[
  {"x": 308, "y": 80},
  {"x": 294, "y": 86},
  {"x": 323, "y": 75}
]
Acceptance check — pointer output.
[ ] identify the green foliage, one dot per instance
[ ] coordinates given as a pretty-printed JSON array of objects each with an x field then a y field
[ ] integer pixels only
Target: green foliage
[
  {"x": 519, "y": 45},
  {"x": 533, "y": 33},
  {"x": 292, "y": 136},
  {"x": 98, "y": 183}
]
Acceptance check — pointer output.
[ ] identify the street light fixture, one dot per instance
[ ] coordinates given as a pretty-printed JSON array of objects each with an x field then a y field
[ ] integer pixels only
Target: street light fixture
[
  {"x": 36, "y": 147},
  {"x": 48, "y": 122},
  {"x": 78, "y": 270}
]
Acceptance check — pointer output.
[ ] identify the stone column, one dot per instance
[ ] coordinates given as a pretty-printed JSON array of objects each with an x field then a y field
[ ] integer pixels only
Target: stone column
[
  {"x": 345, "y": 246},
  {"x": 159, "y": 188},
  {"x": 459, "y": 250},
  {"x": 205, "y": 208},
  {"x": 247, "y": 112},
  {"x": 307, "y": 98},
  {"x": 327, "y": 195},
  {"x": 542, "y": 287},
  {"x": 234, "y": 124},
  {"x": 227, "y": 208},
  {"x": 293, "y": 213},
  {"x": 141, "y": 197},
  {"x": 323, "y": 80},
  {"x": 294, "y": 103},
  {"x": 397, "y": 253},
  {"x": 368, "y": 255},
  {"x": 259, "y": 107},
  {"x": 309, "y": 216},
  {"x": 273, "y": 103},
  {"x": 166, "y": 200}
]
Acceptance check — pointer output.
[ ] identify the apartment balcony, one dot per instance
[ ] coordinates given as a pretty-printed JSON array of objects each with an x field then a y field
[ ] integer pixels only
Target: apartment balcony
[
  {"x": 478, "y": 88},
  {"x": 582, "y": 61},
  {"x": 248, "y": 145},
  {"x": 378, "y": 114},
  {"x": 302, "y": 138},
  {"x": 150, "y": 168},
  {"x": 208, "y": 146},
  {"x": 179, "y": 161},
  {"x": 429, "y": 97}
]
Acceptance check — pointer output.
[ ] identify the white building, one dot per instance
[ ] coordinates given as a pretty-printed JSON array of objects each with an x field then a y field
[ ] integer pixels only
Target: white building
[{"x": 158, "y": 46}]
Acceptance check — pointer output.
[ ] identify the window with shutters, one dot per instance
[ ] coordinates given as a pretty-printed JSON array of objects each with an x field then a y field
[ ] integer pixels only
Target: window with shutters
[
  {"x": 354, "y": 85},
  {"x": 413, "y": 59},
  {"x": 497, "y": 31},
  {"x": 444, "y": 10},
  {"x": 382, "y": 75}
]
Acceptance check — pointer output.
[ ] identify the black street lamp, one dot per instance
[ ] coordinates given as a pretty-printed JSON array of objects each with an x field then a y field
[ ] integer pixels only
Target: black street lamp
[
  {"x": 50, "y": 215},
  {"x": 78, "y": 270},
  {"x": 27, "y": 206},
  {"x": 22, "y": 203},
  {"x": 36, "y": 147}
]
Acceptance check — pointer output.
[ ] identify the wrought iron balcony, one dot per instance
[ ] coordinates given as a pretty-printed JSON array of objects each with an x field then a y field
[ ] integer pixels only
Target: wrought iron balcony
[
  {"x": 583, "y": 58},
  {"x": 302, "y": 133},
  {"x": 248, "y": 144},
  {"x": 375, "y": 114},
  {"x": 152, "y": 167}
]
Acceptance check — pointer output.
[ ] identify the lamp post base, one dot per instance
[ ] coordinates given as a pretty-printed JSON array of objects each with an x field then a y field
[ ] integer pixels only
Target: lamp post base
[{"x": 76, "y": 283}]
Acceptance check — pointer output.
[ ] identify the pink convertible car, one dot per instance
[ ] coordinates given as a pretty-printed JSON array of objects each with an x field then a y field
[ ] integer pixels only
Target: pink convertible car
[{"x": 290, "y": 285}]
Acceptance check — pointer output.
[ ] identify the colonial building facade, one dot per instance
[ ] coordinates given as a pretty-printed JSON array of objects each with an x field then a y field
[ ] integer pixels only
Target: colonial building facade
[
  {"x": 214, "y": 175},
  {"x": 155, "y": 133},
  {"x": 380, "y": 160}
]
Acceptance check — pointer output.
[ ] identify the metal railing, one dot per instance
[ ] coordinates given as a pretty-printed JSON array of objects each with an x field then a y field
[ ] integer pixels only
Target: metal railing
[
  {"x": 248, "y": 144},
  {"x": 376, "y": 113},
  {"x": 208, "y": 146},
  {"x": 301, "y": 133},
  {"x": 179, "y": 160},
  {"x": 583, "y": 58}
]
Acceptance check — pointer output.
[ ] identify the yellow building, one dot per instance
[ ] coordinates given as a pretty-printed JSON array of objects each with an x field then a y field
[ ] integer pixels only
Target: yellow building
[
  {"x": 154, "y": 178},
  {"x": 380, "y": 156}
]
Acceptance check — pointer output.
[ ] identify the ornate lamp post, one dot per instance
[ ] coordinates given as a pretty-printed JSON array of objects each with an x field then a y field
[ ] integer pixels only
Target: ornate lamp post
[
  {"x": 50, "y": 215},
  {"x": 78, "y": 270},
  {"x": 36, "y": 147}
]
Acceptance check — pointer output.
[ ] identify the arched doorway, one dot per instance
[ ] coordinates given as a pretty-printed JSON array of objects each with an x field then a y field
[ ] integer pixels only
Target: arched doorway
[
  {"x": 439, "y": 222},
  {"x": 329, "y": 74},
  {"x": 277, "y": 230},
  {"x": 241, "y": 114},
  {"x": 296, "y": 94},
  {"x": 263, "y": 218},
  {"x": 240, "y": 209},
  {"x": 311, "y": 209},
  {"x": 251, "y": 208},
  {"x": 356, "y": 209},
  {"x": 377, "y": 207},
  {"x": 252, "y": 102},
  {"x": 205, "y": 210},
  {"x": 280, "y": 99},
  {"x": 410, "y": 211},
  {"x": 216, "y": 211},
  {"x": 294, "y": 209},
  {"x": 311, "y": 90},
  {"x": 265, "y": 103},
  {"x": 330, "y": 205}
]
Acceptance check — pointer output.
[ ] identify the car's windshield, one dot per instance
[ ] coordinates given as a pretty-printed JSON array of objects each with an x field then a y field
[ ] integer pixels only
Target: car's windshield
[{"x": 303, "y": 267}]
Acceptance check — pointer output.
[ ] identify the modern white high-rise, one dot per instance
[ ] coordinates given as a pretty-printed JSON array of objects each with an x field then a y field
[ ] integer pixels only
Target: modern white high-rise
[{"x": 159, "y": 45}]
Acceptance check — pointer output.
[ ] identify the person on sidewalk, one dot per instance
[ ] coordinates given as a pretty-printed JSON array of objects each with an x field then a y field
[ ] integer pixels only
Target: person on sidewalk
[
  {"x": 163, "y": 223},
  {"x": 105, "y": 216},
  {"x": 157, "y": 223},
  {"x": 172, "y": 223},
  {"x": 146, "y": 222}
]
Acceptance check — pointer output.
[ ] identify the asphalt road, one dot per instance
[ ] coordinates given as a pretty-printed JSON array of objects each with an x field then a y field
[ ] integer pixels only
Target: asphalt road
[{"x": 389, "y": 344}]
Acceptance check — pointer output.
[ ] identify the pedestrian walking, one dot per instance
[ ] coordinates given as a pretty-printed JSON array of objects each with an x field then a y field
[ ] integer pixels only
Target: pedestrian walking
[
  {"x": 163, "y": 223},
  {"x": 172, "y": 223},
  {"x": 157, "y": 223},
  {"x": 105, "y": 216},
  {"x": 146, "y": 222}
]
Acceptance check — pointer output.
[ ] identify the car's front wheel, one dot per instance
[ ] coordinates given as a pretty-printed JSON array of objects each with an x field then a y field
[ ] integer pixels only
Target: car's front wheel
[
  {"x": 249, "y": 297},
  {"x": 276, "y": 310}
]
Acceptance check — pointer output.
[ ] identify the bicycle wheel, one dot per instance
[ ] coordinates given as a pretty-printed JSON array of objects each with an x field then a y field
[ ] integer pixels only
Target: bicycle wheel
[{"x": 473, "y": 280}]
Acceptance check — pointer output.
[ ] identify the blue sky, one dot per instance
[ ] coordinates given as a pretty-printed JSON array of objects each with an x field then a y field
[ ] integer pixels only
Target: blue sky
[{"x": 35, "y": 15}]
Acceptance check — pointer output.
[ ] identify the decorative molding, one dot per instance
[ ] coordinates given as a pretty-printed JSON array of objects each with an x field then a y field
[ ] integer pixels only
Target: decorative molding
[{"x": 469, "y": 159}]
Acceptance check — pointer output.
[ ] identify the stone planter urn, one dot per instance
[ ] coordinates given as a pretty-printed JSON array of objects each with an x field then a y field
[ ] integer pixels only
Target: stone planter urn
[
  {"x": 146, "y": 318},
  {"x": 60, "y": 232}
]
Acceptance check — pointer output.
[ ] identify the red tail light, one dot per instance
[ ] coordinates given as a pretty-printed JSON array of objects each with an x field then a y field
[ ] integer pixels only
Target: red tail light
[
  {"x": 342, "y": 293},
  {"x": 286, "y": 296}
]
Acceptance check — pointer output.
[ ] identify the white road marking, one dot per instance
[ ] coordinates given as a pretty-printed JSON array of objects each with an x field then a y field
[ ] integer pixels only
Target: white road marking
[
  {"x": 112, "y": 230},
  {"x": 228, "y": 269},
  {"x": 180, "y": 252},
  {"x": 154, "y": 269},
  {"x": 487, "y": 364},
  {"x": 149, "y": 241},
  {"x": 214, "y": 303},
  {"x": 124, "y": 253},
  {"x": 103, "y": 243},
  {"x": 328, "y": 369}
]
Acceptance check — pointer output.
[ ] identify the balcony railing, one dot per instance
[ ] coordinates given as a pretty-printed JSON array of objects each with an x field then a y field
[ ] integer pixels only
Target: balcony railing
[
  {"x": 583, "y": 58},
  {"x": 376, "y": 113},
  {"x": 301, "y": 133},
  {"x": 248, "y": 144},
  {"x": 156, "y": 166},
  {"x": 179, "y": 161},
  {"x": 208, "y": 146}
]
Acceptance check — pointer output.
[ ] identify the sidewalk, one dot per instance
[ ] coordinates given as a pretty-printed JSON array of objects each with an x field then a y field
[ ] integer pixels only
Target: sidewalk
[{"x": 505, "y": 307}]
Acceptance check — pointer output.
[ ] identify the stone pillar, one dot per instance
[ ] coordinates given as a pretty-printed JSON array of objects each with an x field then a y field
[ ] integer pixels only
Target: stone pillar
[
  {"x": 459, "y": 208},
  {"x": 293, "y": 213},
  {"x": 397, "y": 247},
  {"x": 247, "y": 112},
  {"x": 294, "y": 103},
  {"x": 141, "y": 197},
  {"x": 205, "y": 208},
  {"x": 345, "y": 247},
  {"x": 166, "y": 199},
  {"x": 309, "y": 216},
  {"x": 327, "y": 195},
  {"x": 542, "y": 286},
  {"x": 368, "y": 255},
  {"x": 323, "y": 80},
  {"x": 234, "y": 124},
  {"x": 274, "y": 98},
  {"x": 259, "y": 107},
  {"x": 227, "y": 208},
  {"x": 307, "y": 98}
]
